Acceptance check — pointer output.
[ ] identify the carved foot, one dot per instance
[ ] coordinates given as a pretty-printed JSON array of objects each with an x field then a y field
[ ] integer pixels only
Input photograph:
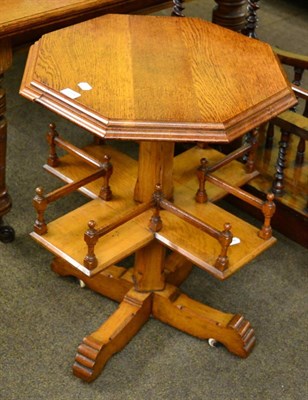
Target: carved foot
[
  {"x": 113, "y": 335},
  {"x": 178, "y": 310}
]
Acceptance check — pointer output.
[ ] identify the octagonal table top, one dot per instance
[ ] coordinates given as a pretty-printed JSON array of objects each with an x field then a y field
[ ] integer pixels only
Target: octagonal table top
[{"x": 157, "y": 78}]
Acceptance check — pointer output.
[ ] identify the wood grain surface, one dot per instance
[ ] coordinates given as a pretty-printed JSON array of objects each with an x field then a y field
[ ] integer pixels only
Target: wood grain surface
[{"x": 158, "y": 78}]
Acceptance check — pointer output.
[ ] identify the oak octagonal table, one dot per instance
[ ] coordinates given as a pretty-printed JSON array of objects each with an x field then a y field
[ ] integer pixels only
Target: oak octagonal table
[{"x": 156, "y": 81}]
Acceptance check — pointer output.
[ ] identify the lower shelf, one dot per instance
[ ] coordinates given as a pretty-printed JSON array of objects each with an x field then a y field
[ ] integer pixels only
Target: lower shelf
[{"x": 65, "y": 236}]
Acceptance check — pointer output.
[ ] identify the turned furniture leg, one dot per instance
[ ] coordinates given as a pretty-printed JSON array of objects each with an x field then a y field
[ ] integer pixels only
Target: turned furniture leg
[
  {"x": 230, "y": 14},
  {"x": 178, "y": 8},
  {"x": 278, "y": 184},
  {"x": 251, "y": 19},
  {"x": 178, "y": 310},
  {"x": 105, "y": 192},
  {"x": 201, "y": 195},
  {"x": 53, "y": 159},
  {"x": 97, "y": 348}
]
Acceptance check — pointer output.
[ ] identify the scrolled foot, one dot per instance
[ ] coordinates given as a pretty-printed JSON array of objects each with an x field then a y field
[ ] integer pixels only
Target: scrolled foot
[{"x": 97, "y": 348}]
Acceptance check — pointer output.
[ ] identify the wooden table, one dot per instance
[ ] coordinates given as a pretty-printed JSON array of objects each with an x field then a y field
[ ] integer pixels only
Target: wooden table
[
  {"x": 177, "y": 84},
  {"x": 156, "y": 91}
]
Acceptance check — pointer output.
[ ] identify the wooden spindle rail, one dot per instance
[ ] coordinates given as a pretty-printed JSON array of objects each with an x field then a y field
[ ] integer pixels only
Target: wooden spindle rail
[
  {"x": 54, "y": 140},
  {"x": 92, "y": 235},
  {"x": 234, "y": 155},
  {"x": 40, "y": 201},
  {"x": 267, "y": 207},
  {"x": 224, "y": 237},
  {"x": 204, "y": 169}
]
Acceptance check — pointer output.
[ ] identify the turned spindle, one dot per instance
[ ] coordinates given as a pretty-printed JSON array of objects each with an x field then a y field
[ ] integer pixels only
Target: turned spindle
[
  {"x": 251, "y": 19},
  {"x": 52, "y": 134},
  {"x": 230, "y": 14},
  {"x": 105, "y": 192},
  {"x": 201, "y": 195},
  {"x": 155, "y": 222},
  {"x": 40, "y": 204},
  {"x": 178, "y": 8},
  {"x": 91, "y": 238},
  {"x": 225, "y": 240},
  {"x": 268, "y": 210},
  {"x": 278, "y": 183}
]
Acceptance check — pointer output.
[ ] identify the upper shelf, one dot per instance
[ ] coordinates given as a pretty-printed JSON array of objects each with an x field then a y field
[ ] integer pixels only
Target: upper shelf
[{"x": 157, "y": 78}]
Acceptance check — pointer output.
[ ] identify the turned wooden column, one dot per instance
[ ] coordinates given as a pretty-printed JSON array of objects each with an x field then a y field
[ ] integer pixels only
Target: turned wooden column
[
  {"x": 5, "y": 63},
  {"x": 230, "y": 14},
  {"x": 251, "y": 19}
]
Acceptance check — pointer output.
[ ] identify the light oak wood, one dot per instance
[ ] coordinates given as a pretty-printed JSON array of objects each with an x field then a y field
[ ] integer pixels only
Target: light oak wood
[
  {"x": 152, "y": 109},
  {"x": 186, "y": 164},
  {"x": 178, "y": 310},
  {"x": 65, "y": 236},
  {"x": 157, "y": 90},
  {"x": 97, "y": 348}
]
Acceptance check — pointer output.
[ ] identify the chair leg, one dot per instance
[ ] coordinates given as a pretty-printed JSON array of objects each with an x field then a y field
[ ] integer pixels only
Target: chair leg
[
  {"x": 252, "y": 19},
  {"x": 230, "y": 14},
  {"x": 178, "y": 8}
]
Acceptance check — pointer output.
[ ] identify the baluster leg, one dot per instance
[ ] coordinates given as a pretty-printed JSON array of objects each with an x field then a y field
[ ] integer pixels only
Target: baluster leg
[
  {"x": 251, "y": 19},
  {"x": 105, "y": 192},
  {"x": 230, "y": 14},
  {"x": 201, "y": 195},
  {"x": 53, "y": 159},
  {"x": 178, "y": 8}
]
